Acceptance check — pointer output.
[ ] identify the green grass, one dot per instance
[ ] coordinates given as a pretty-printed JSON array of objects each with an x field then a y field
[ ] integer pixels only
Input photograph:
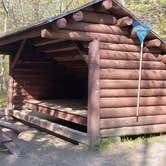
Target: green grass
[{"x": 131, "y": 141}]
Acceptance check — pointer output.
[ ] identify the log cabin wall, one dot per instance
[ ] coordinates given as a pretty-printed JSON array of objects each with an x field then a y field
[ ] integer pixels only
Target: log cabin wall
[{"x": 119, "y": 68}]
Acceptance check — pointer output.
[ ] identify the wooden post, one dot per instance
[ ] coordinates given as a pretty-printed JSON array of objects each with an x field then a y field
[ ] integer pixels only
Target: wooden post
[
  {"x": 10, "y": 85},
  {"x": 18, "y": 54},
  {"x": 93, "y": 114}
]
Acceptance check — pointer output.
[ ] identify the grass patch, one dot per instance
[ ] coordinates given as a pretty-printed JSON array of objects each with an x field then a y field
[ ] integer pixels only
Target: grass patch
[
  {"x": 131, "y": 141},
  {"x": 107, "y": 142}
]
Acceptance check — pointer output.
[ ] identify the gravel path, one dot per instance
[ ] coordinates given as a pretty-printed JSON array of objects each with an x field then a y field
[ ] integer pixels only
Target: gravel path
[{"x": 42, "y": 149}]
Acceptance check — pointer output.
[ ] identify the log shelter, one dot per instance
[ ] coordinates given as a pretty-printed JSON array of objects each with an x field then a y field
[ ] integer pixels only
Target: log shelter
[{"x": 76, "y": 74}]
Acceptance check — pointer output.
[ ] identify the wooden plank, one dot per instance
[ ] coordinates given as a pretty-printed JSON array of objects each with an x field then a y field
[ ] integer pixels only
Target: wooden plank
[
  {"x": 53, "y": 127},
  {"x": 93, "y": 94},
  {"x": 137, "y": 130},
  {"x": 131, "y": 121},
  {"x": 17, "y": 56},
  {"x": 131, "y": 111}
]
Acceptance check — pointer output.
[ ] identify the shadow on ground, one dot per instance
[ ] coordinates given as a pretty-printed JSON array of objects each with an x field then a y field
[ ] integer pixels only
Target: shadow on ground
[{"x": 42, "y": 149}]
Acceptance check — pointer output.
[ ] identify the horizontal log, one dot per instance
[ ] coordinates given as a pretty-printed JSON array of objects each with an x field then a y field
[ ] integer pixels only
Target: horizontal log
[
  {"x": 55, "y": 128},
  {"x": 119, "y": 55},
  {"x": 138, "y": 130},
  {"x": 115, "y": 102},
  {"x": 61, "y": 23},
  {"x": 132, "y": 111},
  {"x": 125, "y": 21},
  {"x": 86, "y": 36},
  {"x": 131, "y": 84},
  {"x": 93, "y": 17},
  {"x": 98, "y": 28},
  {"x": 126, "y": 64},
  {"x": 132, "y": 74},
  {"x": 131, "y": 92},
  {"x": 153, "y": 43},
  {"x": 131, "y": 121},
  {"x": 127, "y": 48}
]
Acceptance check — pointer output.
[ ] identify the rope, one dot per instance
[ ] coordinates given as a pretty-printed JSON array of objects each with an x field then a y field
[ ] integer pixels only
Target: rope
[{"x": 139, "y": 81}]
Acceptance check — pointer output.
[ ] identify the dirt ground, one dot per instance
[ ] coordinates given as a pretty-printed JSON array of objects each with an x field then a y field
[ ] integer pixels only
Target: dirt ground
[{"x": 41, "y": 149}]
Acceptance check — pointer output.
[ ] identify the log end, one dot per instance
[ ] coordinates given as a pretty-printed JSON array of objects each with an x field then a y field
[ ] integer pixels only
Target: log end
[
  {"x": 61, "y": 23},
  {"x": 153, "y": 43},
  {"x": 107, "y": 4},
  {"x": 44, "y": 33},
  {"x": 78, "y": 16},
  {"x": 125, "y": 21}
]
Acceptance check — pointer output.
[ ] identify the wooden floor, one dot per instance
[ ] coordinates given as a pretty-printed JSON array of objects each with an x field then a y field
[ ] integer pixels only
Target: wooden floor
[{"x": 69, "y": 110}]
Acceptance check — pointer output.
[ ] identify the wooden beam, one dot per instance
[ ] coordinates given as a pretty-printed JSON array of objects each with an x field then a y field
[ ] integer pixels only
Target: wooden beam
[
  {"x": 82, "y": 51},
  {"x": 93, "y": 114},
  {"x": 53, "y": 127},
  {"x": 17, "y": 56},
  {"x": 10, "y": 84}
]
